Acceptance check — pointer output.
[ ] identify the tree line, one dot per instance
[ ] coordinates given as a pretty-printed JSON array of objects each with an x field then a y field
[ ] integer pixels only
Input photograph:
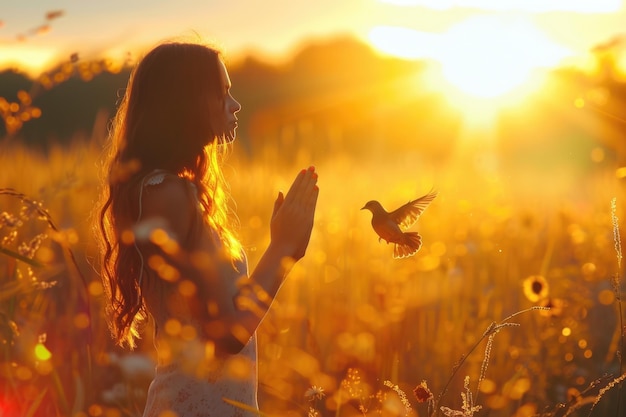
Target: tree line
[{"x": 339, "y": 92}]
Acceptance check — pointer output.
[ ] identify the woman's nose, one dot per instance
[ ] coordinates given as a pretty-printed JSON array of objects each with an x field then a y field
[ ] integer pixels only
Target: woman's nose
[{"x": 235, "y": 106}]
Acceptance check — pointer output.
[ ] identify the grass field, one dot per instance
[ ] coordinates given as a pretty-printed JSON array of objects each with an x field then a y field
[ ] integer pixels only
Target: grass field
[{"x": 364, "y": 327}]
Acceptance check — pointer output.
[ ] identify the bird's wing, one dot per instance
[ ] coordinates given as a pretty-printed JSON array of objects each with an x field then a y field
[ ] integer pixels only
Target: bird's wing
[{"x": 407, "y": 215}]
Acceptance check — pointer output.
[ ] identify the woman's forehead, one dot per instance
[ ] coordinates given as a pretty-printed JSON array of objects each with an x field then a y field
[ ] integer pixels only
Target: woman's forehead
[{"x": 224, "y": 73}]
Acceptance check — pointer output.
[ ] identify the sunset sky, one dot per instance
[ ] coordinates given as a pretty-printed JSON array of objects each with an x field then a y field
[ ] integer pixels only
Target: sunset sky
[{"x": 539, "y": 32}]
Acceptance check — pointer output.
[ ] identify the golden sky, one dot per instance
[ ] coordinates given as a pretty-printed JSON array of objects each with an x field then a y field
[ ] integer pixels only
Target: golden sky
[{"x": 32, "y": 40}]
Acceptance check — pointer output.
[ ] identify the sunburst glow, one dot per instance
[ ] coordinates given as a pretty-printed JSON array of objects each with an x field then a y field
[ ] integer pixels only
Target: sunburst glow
[
  {"x": 488, "y": 57},
  {"x": 30, "y": 59},
  {"x": 538, "y": 6},
  {"x": 482, "y": 56}
]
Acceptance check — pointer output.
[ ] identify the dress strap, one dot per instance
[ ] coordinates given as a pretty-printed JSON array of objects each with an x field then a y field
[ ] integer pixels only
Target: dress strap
[{"x": 155, "y": 177}]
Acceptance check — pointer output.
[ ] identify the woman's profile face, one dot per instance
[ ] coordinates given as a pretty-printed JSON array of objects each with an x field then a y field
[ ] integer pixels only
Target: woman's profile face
[{"x": 231, "y": 106}]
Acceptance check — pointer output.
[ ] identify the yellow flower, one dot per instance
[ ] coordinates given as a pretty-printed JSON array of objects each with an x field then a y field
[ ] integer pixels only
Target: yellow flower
[{"x": 536, "y": 288}]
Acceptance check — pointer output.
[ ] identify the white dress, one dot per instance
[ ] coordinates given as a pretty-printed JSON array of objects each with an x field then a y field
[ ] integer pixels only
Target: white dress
[
  {"x": 190, "y": 386},
  {"x": 235, "y": 379}
]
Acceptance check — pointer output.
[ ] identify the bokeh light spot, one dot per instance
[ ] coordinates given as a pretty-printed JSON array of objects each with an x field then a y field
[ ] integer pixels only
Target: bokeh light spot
[
  {"x": 588, "y": 269},
  {"x": 41, "y": 352},
  {"x": 95, "y": 288},
  {"x": 187, "y": 288},
  {"x": 438, "y": 249},
  {"x": 127, "y": 237},
  {"x": 597, "y": 155},
  {"x": 172, "y": 327},
  {"x": 520, "y": 387},
  {"x": 255, "y": 222},
  {"x": 188, "y": 332},
  {"x": 526, "y": 410},
  {"x": 496, "y": 402},
  {"x": 606, "y": 297},
  {"x": 239, "y": 368},
  {"x": 95, "y": 410},
  {"x": 23, "y": 373},
  {"x": 81, "y": 321},
  {"x": 487, "y": 386}
]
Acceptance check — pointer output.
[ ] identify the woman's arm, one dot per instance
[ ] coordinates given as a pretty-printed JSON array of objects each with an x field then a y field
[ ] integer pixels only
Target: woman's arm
[{"x": 229, "y": 306}]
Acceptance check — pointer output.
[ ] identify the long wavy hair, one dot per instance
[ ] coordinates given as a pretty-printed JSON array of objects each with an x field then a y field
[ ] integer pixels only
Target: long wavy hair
[{"x": 172, "y": 118}]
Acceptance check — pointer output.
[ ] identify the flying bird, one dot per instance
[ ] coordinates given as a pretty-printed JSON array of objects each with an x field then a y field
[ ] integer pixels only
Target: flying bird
[{"x": 390, "y": 225}]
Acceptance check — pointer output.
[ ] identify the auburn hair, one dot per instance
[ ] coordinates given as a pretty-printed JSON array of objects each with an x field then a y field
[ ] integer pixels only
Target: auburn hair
[{"x": 171, "y": 117}]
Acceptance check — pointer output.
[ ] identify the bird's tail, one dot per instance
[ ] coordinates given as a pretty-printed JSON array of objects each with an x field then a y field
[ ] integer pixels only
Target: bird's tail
[{"x": 411, "y": 243}]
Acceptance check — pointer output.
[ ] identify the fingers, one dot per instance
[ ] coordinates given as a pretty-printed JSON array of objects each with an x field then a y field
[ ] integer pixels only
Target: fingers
[
  {"x": 303, "y": 185},
  {"x": 295, "y": 185},
  {"x": 301, "y": 197},
  {"x": 312, "y": 197},
  {"x": 279, "y": 202},
  {"x": 294, "y": 213}
]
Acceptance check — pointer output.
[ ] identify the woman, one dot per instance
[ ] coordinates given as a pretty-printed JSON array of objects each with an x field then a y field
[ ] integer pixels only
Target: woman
[{"x": 169, "y": 246}]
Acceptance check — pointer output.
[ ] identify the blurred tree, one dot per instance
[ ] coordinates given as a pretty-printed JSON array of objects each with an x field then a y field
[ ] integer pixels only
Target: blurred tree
[{"x": 339, "y": 94}]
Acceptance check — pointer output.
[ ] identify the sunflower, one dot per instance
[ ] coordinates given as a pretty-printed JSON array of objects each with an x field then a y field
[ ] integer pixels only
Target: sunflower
[{"x": 536, "y": 288}]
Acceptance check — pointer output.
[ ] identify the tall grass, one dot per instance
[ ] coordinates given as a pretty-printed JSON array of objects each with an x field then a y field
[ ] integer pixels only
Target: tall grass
[{"x": 350, "y": 320}]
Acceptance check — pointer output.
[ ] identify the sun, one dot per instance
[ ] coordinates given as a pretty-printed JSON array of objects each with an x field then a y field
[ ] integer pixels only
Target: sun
[
  {"x": 482, "y": 56},
  {"x": 488, "y": 57}
]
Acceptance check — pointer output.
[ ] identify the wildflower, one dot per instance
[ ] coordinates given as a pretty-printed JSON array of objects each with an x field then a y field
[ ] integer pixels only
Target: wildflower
[
  {"x": 468, "y": 408},
  {"x": 314, "y": 393},
  {"x": 44, "y": 285},
  {"x": 313, "y": 412},
  {"x": 28, "y": 249},
  {"x": 32, "y": 209},
  {"x": 422, "y": 392},
  {"x": 536, "y": 288},
  {"x": 448, "y": 412},
  {"x": 486, "y": 357},
  {"x": 468, "y": 400},
  {"x": 616, "y": 381},
  {"x": 401, "y": 395},
  {"x": 616, "y": 236},
  {"x": 10, "y": 238},
  {"x": 9, "y": 220},
  {"x": 352, "y": 384}
]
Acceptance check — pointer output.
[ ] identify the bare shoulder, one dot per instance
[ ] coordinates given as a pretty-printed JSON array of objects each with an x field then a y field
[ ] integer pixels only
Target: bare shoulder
[{"x": 169, "y": 201}]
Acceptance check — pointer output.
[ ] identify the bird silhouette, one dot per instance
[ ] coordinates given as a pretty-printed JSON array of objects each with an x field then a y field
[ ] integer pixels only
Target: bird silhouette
[{"x": 389, "y": 226}]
